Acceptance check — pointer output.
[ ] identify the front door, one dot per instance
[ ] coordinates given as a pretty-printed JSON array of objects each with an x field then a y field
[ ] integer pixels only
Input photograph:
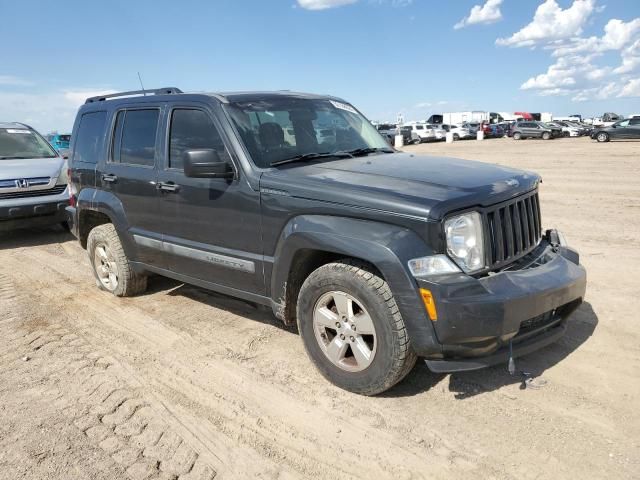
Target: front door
[
  {"x": 130, "y": 175},
  {"x": 211, "y": 225}
]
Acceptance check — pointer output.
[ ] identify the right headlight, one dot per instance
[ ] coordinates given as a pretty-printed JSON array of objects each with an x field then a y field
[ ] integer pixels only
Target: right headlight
[{"x": 465, "y": 244}]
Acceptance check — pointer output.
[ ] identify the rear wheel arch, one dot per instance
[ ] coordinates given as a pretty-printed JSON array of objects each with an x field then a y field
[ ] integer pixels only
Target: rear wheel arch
[{"x": 87, "y": 221}]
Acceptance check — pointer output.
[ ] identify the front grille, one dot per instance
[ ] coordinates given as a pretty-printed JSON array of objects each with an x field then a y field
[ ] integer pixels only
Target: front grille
[
  {"x": 34, "y": 193},
  {"x": 514, "y": 229}
]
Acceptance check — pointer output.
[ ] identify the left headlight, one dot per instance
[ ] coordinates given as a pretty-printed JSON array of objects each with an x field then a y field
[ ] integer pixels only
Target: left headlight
[{"x": 465, "y": 244}]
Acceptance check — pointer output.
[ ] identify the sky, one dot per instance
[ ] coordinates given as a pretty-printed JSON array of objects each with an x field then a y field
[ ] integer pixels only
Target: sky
[{"x": 415, "y": 57}]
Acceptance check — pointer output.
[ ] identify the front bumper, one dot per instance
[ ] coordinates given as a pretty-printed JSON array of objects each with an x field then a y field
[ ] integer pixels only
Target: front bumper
[
  {"x": 479, "y": 317},
  {"x": 40, "y": 211}
]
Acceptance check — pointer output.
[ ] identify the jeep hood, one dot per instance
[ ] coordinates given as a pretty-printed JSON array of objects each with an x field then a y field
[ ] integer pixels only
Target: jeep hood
[
  {"x": 402, "y": 183},
  {"x": 30, "y": 168}
]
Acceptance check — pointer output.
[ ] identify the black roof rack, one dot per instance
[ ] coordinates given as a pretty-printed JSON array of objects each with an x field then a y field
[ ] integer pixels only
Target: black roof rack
[{"x": 156, "y": 91}]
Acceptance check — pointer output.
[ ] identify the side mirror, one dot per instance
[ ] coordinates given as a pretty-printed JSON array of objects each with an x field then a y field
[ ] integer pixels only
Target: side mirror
[
  {"x": 64, "y": 153},
  {"x": 205, "y": 163}
]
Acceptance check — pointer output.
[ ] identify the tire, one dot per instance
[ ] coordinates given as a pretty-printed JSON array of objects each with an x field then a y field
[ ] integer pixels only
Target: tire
[
  {"x": 116, "y": 275},
  {"x": 546, "y": 135},
  {"x": 602, "y": 137},
  {"x": 374, "y": 309},
  {"x": 517, "y": 136}
]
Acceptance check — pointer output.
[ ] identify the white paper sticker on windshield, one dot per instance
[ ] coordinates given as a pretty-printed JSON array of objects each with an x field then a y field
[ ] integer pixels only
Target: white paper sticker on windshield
[
  {"x": 343, "y": 106},
  {"x": 13, "y": 130}
]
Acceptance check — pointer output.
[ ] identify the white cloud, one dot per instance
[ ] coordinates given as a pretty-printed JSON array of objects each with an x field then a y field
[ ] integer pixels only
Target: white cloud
[
  {"x": 581, "y": 68},
  {"x": 12, "y": 81},
  {"x": 323, "y": 4},
  {"x": 482, "y": 14},
  {"x": 630, "y": 58},
  {"x": 551, "y": 22},
  {"x": 631, "y": 89},
  {"x": 45, "y": 111}
]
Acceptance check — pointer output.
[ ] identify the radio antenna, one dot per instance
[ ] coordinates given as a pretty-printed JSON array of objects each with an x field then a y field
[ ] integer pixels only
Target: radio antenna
[{"x": 140, "y": 78}]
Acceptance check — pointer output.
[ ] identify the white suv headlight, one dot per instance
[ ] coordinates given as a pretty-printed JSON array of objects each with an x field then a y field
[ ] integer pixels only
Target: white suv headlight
[{"x": 465, "y": 244}]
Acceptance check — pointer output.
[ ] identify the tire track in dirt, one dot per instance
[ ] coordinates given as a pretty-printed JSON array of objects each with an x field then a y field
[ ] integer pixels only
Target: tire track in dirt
[{"x": 93, "y": 395}]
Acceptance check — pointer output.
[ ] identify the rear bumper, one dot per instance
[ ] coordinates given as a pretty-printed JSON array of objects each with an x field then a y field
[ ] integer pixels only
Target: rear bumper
[
  {"x": 477, "y": 318},
  {"x": 44, "y": 211}
]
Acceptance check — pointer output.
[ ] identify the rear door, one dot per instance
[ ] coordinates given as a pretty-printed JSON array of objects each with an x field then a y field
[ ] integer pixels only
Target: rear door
[
  {"x": 130, "y": 174},
  {"x": 634, "y": 128},
  {"x": 212, "y": 226}
]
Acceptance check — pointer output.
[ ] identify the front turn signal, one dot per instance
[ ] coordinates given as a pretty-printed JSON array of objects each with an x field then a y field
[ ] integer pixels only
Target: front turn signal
[{"x": 429, "y": 304}]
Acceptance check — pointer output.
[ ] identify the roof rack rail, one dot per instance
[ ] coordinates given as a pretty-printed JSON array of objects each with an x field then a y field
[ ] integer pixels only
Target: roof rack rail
[{"x": 156, "y": 91}]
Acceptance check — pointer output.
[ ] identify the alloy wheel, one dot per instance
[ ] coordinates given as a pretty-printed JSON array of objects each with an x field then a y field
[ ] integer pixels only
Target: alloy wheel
[
  {"x": 105, "y": 266},
  {"x": 344, "y": 331}
]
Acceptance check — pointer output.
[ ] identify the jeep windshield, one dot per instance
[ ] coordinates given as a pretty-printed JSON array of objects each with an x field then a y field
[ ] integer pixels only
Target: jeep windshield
[
  {"x": 22, "y": 143},
  {"x": 287, "y": 129}
]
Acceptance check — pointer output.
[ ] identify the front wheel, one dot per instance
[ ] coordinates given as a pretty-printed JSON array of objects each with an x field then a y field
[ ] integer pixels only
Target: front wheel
[
  {"x": 111, "y": 267},
  {"x": 602, "y": 137},
  {"x": 546, "y": 135},
  {"x": 517, "y": 136},
  {"x": 352, "y": 329}
]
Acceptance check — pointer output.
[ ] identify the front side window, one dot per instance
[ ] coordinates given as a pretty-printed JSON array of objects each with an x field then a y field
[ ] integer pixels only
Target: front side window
[
  {"x": 193, "y": 130},
  {"x": 90, "y": 131},
  {"x": 624, "y": 123},
  {"x": 23, "y": 143},
  {"x": 134, "y": 137},
  {"x": 277, "y": 129}
]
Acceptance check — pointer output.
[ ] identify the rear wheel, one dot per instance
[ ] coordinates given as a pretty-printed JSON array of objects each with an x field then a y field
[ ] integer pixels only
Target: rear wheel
[
  {"x": 352, "y": 329},
  {"x": 602, "y": 137},
  {"x": 111, "y": 267},
  {"x": 517, "y": 136}
]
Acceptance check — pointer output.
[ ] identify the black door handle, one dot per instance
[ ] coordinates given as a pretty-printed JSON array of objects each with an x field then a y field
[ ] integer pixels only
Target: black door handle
[
  {"x": 109, "y": 177},
  {"x": 167, "y": 187}
]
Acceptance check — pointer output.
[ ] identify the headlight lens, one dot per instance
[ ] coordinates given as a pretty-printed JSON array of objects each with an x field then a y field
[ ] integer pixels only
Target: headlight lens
[
  {"x": 465, "y": 241},
  {"x": 433, "y": 265},
  {"x": 63, "y": 178}
]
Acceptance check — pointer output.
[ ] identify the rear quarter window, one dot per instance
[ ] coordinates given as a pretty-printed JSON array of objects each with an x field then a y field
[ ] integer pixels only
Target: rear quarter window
[{"x": 89, "y": 137}]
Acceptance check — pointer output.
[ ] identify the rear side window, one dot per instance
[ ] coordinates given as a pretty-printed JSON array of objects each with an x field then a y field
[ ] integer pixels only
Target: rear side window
[
  {"x": 193, "y": 130},
  {"x": 134, "y": 137},
  {"x": 89, "y": 136}
]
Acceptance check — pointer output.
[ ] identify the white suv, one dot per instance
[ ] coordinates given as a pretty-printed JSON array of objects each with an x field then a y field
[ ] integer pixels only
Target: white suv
[{"x": 424, "y": 132}]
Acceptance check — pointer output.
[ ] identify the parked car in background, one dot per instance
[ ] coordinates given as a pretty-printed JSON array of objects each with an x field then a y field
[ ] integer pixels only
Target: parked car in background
[
  {"x": 628, "y": 129},
  {"x": 59, "y": 142},
  {"x": 439, "y": 132},
  {"x": 556, "y": 130},
  {"x": 389, "y": 131},
  {"x": 492, "y": 130},
  {"x": 424, "y": 133},
  {"x": 33, "y": 179},
  {"x": 473, "y": 127},
  {"x": 461, "y": 132},
  {"x": 379, "y": 257},
  {"x": 522, "y": 130}
]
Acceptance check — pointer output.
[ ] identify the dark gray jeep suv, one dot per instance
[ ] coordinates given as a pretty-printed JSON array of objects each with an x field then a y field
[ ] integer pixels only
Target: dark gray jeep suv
[{"x": 295, "y": 201}]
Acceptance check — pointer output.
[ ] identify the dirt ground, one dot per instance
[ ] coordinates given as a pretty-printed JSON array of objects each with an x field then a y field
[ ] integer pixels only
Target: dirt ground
[{"x": 182, "y": 383}]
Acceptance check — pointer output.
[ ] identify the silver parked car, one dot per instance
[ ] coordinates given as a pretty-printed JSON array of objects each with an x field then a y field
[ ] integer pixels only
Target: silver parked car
[{"x": 33, "y": 179}]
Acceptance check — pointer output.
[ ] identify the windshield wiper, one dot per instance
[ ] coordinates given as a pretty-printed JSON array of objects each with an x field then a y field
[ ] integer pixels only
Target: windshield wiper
[
  {"x": 312, "y": 156},
  {"x": 366, "y": 151}
]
